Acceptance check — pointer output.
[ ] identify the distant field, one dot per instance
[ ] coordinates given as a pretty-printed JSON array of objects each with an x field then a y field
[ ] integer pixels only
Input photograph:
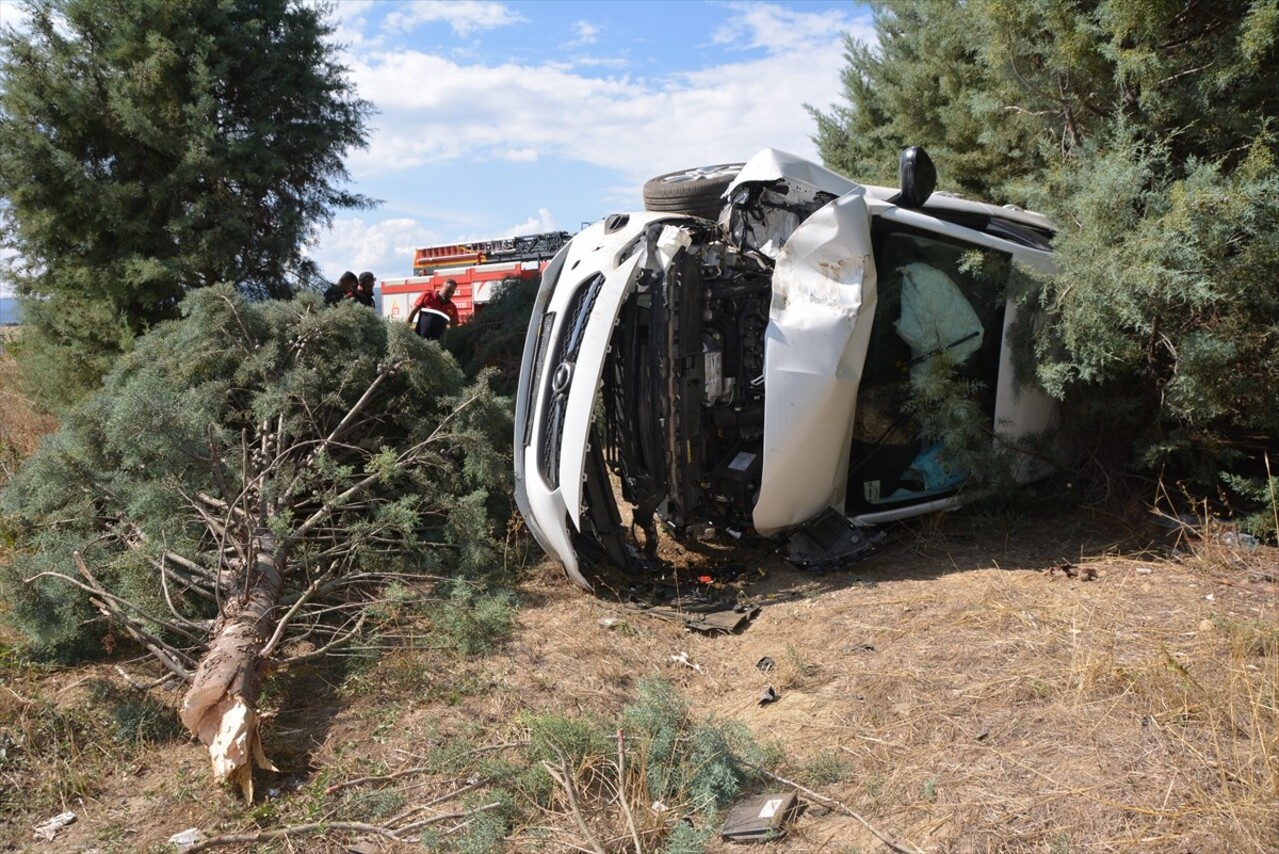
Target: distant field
[{"x": 9, "y": 311}]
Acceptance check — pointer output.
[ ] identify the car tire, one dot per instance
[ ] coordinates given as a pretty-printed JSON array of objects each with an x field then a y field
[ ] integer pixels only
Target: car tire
[{"x": 695, "y": 192}]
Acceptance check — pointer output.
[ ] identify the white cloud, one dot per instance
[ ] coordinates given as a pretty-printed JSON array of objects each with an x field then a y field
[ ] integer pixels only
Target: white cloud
[
  {"x": 597, "y": 62},
  {"x": 544, "y": 221},
  {"x": 13, "y": 15},
  {"x": 385, "y": 248},
  {"x": 520, "y": 155},
  {"x": 464, "y": 16},
  {"x": 779, "y": 29},
  {"x": 584, "y": 33},
  {"x": 436, "y": 110},
  {"x": 351, "y": 29}
]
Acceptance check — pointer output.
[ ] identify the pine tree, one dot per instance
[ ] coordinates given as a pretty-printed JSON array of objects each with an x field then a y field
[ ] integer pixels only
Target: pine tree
[
  {"x": 1147, "y": 131},
  {"x": 152, "y": 147},
  {"x": 253, "y": 473}
]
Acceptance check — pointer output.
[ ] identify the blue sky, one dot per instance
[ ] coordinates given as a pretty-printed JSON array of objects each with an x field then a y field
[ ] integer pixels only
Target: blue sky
[{"x": 503, "y": 118}]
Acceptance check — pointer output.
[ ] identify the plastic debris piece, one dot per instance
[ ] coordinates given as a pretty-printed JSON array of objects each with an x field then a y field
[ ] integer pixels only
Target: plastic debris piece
[
  {"x": 829, "y": 541},
  {"x": 769, "y": 696},
  {"x": 683, "y": 659},
  {"x": 46, "y": 830},
  {"x": 1247, "y": 541},
  {"x": 760, "y": 818},
  {"x": 188, "y": 838},
  {"x": 764, "y": 665}
]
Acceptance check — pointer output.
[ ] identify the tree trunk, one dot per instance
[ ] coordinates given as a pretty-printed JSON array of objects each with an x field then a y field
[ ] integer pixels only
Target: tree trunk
[{"x": 221, "y": 705}]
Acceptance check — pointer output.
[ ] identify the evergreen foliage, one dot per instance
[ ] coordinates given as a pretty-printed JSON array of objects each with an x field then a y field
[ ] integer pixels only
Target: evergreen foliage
[
  {"x": 1146, "y": 131},
  {"x": 153, "y": 147},
  {"x": 353, "y": 439},
  {"x": 693, "y": 767},
  {"x": 494, "y": 339}
]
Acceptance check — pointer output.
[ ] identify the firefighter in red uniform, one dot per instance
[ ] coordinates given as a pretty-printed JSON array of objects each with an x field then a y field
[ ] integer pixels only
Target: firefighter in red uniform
[{"x": 435, "y": 311}]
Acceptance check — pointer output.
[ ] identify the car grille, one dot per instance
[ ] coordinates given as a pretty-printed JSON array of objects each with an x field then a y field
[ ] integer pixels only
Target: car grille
[
  {"x": 539, "y": 361},
  {"x": 576, "y": 316}
]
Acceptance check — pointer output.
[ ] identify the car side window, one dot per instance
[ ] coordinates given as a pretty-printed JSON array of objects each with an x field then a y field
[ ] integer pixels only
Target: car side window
[{"x": 937, "y": 298}]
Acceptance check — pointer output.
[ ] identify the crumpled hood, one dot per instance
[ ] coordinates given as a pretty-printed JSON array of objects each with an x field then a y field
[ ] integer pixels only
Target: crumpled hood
[{"x": 815, "y": 348}]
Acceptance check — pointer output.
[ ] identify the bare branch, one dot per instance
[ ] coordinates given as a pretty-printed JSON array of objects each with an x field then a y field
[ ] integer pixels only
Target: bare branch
[
  {"x": 219, "y": 504},
  {"x": 621, "y": 793},
  {"x": 328, "y": 647},
  {"x": 346, "y": 422},
  {"x": 447, "y": 816},
  {"x": 396, "y": 834},
  {"x": 190, "y": 566},
  {"x": 138, "y": 685},
  {"x": 112, "y": 603},
  {"x": 291, "y": 830},
  {"x": 188, "y": 584},
  {"x": 288, "y": 615},
  {"x": 561, "y": 776}
]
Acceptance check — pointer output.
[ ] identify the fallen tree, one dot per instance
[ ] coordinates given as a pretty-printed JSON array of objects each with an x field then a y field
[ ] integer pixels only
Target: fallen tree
[{"x": 241, "y": 489}]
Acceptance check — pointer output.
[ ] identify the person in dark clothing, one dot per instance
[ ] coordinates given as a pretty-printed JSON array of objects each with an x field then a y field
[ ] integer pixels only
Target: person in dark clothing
[
  {"x": 364, "y": 290},
  {"x": 435, "y": 311},
  {"x": 344, "y": 289}
]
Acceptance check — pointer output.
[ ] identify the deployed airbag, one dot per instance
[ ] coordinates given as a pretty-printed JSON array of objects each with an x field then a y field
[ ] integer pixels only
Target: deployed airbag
[{"x": 936, "y": 317}]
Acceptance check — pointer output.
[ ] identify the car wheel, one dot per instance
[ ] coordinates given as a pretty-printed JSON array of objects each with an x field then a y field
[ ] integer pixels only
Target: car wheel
[{"x": 690, "y": 191}]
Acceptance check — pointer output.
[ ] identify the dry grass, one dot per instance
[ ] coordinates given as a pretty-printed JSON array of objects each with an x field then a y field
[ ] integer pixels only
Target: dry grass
[
  {"x": 21, "y": 426},
  {"x": 950, "y": 690}
]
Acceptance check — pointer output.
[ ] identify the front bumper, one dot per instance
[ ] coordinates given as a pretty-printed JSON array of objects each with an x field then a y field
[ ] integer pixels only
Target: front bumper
[{"x": 582, "y": 292}]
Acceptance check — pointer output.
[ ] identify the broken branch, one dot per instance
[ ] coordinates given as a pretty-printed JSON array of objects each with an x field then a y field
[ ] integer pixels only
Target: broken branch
[{"x": 561, "y": 776}]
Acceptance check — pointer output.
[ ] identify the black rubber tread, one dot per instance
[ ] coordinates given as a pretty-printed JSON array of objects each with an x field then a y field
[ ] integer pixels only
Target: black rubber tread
[{"x": 692, "y": 191}]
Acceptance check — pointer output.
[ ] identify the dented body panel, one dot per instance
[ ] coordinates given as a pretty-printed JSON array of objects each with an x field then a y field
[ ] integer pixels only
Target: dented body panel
[{"x": 815, "y": 346}]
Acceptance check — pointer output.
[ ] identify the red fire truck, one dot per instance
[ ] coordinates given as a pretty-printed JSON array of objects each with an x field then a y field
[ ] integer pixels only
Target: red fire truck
[{"x": 479, "y": 268}]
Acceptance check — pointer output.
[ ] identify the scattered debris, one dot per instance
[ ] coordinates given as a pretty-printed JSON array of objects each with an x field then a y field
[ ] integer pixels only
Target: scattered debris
[
  {"x": 1247, "y": 541},
  {"x": 187, "y": 839},
  {"x": 829, "y": 541},
  {"x": 697, "y": 612},
  {"x": 683, "y": 659},
  {"x": 609, "y": 622},
  {"x": 1144, "y": 570},
  {"x": 760, "y": 818},
  {"x": 769, "y": 696},
  {"x": 899, "y": 848},
  {"x": 1068, "y": 569},
  {"x": 764, "y": 665},
  {"x": 49, "y": 829}
]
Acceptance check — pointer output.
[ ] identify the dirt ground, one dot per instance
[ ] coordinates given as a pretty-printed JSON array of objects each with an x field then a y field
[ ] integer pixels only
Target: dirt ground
[{"x": 982, "y": 684}]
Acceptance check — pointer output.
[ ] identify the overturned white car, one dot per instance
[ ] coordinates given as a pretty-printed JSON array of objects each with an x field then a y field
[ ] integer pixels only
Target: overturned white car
[{"x": 739, "y": 355}]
